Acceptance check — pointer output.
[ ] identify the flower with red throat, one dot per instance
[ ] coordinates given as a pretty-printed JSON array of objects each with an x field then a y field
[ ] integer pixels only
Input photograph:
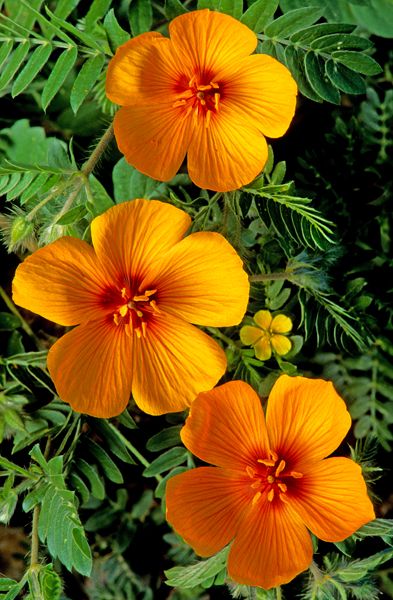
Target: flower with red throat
[
  {"x": 199, "y": 92},
  {"x": 272, "y": 482},
  {"x": 134, "y": 295}
]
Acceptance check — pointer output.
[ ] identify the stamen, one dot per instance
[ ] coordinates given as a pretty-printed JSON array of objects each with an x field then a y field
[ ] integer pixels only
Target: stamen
[
  {"x": 144, "y": 298},
  {"x": 270, "y": 479},
  {"x": 256, "y": 484},
  {"x": 214, "y": 85},
  {"x": 266, "y": 462},
  {"x": 123, "y": 310},
  {"x": 138, "y": 332},
  {"x": 282, "y": 487},
  {"x": 154, "y": 306},
  {"x": 283, "y": 498},
  {"x": 178, "y": 103},
  {"x": 208, "y": 117},
  {"x": 217, "y": 101},
  {"x": 250, "y": 472},
  {"x": 274, "y": 455},
  {"x": 280, "y": 467},
  {"x": 124, "y": 293},
  {"x": 116, "y": 318},
  {"x": 270, "y": 495},
  {"x": 296, "y": 474},
  {"x": 256, "y": 498}
]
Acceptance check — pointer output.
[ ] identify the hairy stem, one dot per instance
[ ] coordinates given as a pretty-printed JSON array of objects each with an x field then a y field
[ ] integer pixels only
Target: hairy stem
[{"x": 270, "y": 277}]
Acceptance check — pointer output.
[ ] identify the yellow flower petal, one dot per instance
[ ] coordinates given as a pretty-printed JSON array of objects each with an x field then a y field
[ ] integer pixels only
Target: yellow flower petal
[
  {"x": 263, "y": 349},
  {"x": 281, "y": 324},
  {"x": 263, "y": 318},
  {"x": 281, "y": 344},
  {"x": 250, "y": 335}
]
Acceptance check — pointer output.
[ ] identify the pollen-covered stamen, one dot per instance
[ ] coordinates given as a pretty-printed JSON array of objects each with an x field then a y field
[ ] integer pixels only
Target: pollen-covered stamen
[
  {"x": 267, "y": 476},
  {"x": 201, "y": 97},
  {"x": 134, "y": 312}
]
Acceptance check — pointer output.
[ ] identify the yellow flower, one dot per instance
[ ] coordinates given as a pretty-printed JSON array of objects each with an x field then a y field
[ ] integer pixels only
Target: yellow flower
[{"x": 269, "y": 334}]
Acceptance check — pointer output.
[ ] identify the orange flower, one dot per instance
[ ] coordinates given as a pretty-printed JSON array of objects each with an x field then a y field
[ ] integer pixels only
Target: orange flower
[
  {"x": 271, "y": 481},
  {"x": 268, "y": 334},
  {"x": 199, "y": 92},
  {"x": 134, "y": 295}
]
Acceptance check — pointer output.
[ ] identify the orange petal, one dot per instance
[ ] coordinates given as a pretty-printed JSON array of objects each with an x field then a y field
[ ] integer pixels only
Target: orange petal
[
  {"x": 332, "y": 499},
  {"x": 129, "y": 237},
  {"x": 271, "y": 547},
  {"x": 212, "y": 40},
  {"x": 306, "y": 419},
  {"x": 263, "y": 318},
  {"x": 173, "y": 363},
  {"x": 154, "y": 138},
  {"x": 227, "y": 154},
  {"x": 226, "y": 427},
  {"x": 262, "y": 91},
  {"x": 250, "y": 335},
  {"x": 281, "y": 344},
  {"x": 201, "y": 279},
  {"x": 263, "y": 349},
  {"x": 61, "y": 282},
  {"x": 92, "y": 369},
  {"x": 281, "y": 324},
  {"x": 133, "y": 72},
  {"x": 204, "y": 506}
]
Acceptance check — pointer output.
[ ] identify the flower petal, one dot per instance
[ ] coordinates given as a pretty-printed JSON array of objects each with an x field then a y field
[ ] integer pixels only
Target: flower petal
[
  {"x": 61, "y": 282},
  {"x": 131, "y": 69},
  {"x": 154, "y": 138},
  {"x": 250, "y": 335},
  {"x": 306, "y": 419},
  {"x": 212, "y": 40},
  {"x": 263, "y": 349},
  {"x": 173, "y": 363},
  {"x": 263, "y": 91},
  {"x": 205, "y": 505},
  {"x": 332, "y": 499},
  {"x": 226, "y": 427},
  {"x": 227, "y": 154},
  {"x": 281, "y": 324},
  {"x": 91, "y": 368},
  {"x": 201, "y": 279},
  {"x": 281, "y": 344},
  {"x": 271, "y": 547},
  {"x": 129, "y": 237},
  {"x": 263, "y": 318}
]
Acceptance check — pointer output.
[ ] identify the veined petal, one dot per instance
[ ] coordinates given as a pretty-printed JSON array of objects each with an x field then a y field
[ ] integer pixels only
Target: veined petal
[
  {"x": 213, "y": 40},
  {"x": 61, "y": 282},
  {"x": 205, "y": 506},
  {"x": 91, "y": 368},
  {"x": 281, "y": 324},
  {"x": 306, "y": 419},
  {"x": 173, "y": 363},
  {"x": 226, "y": 427},
  {"x": 227, "y": 154},
  {"x": 154, "y": 138},
  {"x": 263, "y": 349},
  {"x": 262, "y": 91},
  {"x": 263, "y": 318},
  {"x": 281, "y": 344},
  {"x": 250, "y": 335},
  {"x": 332, "y": 499},
  {"x": 201, "y": 279},
  {"x": 129, "y": 237},
  {"x": 271, "y": 547}
]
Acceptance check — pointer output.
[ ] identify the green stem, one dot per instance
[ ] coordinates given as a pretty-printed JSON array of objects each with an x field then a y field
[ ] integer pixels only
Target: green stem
[
  {"x": 278, "y": 593},
  {"x": 25, "y": 326},
  {"x": 132, "y": 449},
  {"x": 270, "y": 276},
  {"x": 222, "y": 336},
  {"x": 34, "y": 537}
]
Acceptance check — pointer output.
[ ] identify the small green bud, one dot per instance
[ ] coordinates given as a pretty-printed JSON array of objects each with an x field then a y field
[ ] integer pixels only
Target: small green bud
[{"x": 21, "y": 229}]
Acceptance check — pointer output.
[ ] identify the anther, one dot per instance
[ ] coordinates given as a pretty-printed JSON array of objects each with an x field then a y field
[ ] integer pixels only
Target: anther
[
  {"x": 256, "y": 498},
  {"x": 296, "y": 474},
  {"x": 282, "y": 487},
  {"x": 266, "y": 462},
  {"x": 270, "y": 495},
  {"x": 280, "y": 468},
  {"x": 123, "y": 310}
]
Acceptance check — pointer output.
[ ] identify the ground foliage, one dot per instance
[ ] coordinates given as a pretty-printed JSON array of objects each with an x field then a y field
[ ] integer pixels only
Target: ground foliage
[{"x": 314, "y": 231}]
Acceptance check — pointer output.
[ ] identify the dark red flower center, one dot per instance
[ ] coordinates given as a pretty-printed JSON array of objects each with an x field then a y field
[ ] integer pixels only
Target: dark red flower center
[
  {"x": 201, "y": 97},
  {"x": 271, "y": 478},
  {"x": 134, "y": 310}
]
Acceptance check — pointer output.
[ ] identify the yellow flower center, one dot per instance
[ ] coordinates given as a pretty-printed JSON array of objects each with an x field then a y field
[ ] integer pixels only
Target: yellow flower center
[
  {"x": 201, "y": 98},
  {"x": 267, "y": 478},
  {"x": 135, "y": 311}
]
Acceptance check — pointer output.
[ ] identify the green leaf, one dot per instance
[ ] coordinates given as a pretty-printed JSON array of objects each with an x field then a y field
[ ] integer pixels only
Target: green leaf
[
  {"x": 81, "y": 553},
  {"x": 116, "y": 34},
  {"x": 128, "y": 183},
  {"x": 113, "y": 443},
  {"x": 6, "y": 584},
  {"x": 90, "y": 472},
  {"x": 292, "y": 21},
  {"x": 59, "y": 73},
  {"x": 168, "y": 460},
  {"x": 340, "y": 41},
  {"x": 101, "y": 199},
  {"x": 37, "y": 60},
  {"x": 8, "y": 322},
  {"x": 5, "y": 51},
  {"x": 164, "y": 439},
  {"x": 345, "y": 79},
  {"x": 85, "y": 80},
  {"x": 194, "y": 575},
  {"x": 140, "y": 16},
  {"x": 315, "y": 71},
  {"x": 231, "y": 7},
  {"x": 74, "y": 215},
  {"x": 110, "y": 469},
  {"x": 378, "y": 527},
  {"x": 50, "y": 583},
  {"x": 97, "y": 10},
  {"x": 259, "y": 14},
  {"x": 174, "y": 8},
  {"x": 13, "y": 64},
  {"x": 312, "y": 34},
  {"x": 294, "y": 60},
  {"x": 361, "y": 63}
]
